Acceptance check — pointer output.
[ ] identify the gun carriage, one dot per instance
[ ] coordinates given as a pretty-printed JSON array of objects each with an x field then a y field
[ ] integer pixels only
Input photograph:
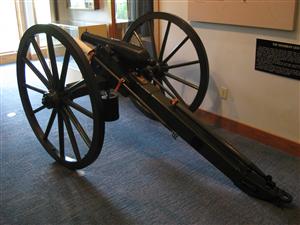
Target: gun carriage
[{"x": 68, "y": 116}]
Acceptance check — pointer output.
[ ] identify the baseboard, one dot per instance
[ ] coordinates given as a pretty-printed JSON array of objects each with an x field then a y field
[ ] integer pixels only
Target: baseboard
[{"x": 288, "y": 146}]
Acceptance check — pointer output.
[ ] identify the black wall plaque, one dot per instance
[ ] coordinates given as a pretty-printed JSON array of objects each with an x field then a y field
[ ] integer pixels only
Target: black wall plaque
[{"x": 278, "y": 58}]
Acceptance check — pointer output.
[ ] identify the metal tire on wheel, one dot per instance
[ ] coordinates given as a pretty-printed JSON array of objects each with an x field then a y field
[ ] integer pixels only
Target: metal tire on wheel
[
  {"x": 67, "y": 124},
  {"x": 187, "y": 79}
]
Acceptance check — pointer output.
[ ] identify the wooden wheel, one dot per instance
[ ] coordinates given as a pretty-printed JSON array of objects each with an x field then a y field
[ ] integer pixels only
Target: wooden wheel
[
  {"x": 186, "y": 79},
  {"x": 51, "y": 69}
]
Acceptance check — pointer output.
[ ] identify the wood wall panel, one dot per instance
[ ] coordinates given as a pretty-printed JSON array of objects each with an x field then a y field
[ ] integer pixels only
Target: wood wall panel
[{"x": 275, "y": 14}]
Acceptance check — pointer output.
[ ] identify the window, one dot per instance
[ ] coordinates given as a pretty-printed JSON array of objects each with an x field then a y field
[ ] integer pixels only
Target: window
[
  {"x": 9, "y": 39},
  {"x": 121, "y": 10}
]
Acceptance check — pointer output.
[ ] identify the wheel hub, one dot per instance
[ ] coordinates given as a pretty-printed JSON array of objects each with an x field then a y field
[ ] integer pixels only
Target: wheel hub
[
  {"x": 161, "y": 68},
  {"x": 52, "y": 100},
  {"x": 157, "y": 69}
]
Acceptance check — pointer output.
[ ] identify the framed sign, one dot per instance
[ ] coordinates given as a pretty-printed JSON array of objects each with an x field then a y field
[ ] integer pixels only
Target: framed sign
[
  {"x": 83, "y": 4},
  {"x": 278, "y": 58}
]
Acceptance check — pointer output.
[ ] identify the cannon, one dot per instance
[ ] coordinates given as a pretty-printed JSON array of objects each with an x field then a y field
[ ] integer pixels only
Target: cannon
[{"x": 69, "y": 90}]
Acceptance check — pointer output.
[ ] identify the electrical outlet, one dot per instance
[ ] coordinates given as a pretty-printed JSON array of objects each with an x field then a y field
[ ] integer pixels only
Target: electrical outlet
[{"x": 224, "y": 93}]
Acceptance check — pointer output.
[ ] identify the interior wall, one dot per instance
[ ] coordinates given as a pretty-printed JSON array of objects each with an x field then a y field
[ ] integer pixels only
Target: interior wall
[{"x": 265, "y": 101}]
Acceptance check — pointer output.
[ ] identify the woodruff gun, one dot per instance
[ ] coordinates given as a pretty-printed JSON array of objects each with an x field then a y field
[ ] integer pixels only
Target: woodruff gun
[{"x": 79, "y": 91}]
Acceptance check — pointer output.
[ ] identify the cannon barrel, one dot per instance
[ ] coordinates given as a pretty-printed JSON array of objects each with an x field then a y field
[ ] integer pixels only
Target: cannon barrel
[{"x": 126, "y": 51}]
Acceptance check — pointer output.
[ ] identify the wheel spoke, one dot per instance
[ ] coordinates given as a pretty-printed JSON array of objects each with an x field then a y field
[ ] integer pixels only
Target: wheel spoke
[
  {"x": 35, "y": 89},
  {"x": 80, "y": 109},
  {"x": 182, "y": 81},
  {"x": 39, "y": 109},
  {"x": 151, "y": 30},
  {"x": 169, "y": 85},
  {"x": 42, "y": 59},
  {"x": 164, "y": 43},
  {"x": 139, "y": 39},
  {"x": 50, "y": 124},
  {"x": 183, "y": 64},
  {"x": 61, "y": 135},
  {"x": 52, "y": 60},
  {"x": 162, "y": 88},
  {"x": 37, "y": 72},
  {"x": 176, "y": 49},
  {"x": 78, "y": 126},
  {"x": 64, "y": 69},
  {"x": 71, "y": 136}
]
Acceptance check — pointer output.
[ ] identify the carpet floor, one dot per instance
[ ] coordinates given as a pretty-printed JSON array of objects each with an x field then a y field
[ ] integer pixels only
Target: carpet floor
[{"x": 143, "y": 176}]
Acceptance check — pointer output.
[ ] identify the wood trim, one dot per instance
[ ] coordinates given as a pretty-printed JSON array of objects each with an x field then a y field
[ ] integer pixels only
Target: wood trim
[
  {"x": 283, "y": 144},
  {"x": 157, "y": 26},
  {"x": 113, "y": 25},
  {"x": 55, "y": 10},
  {"x": 6, "y": 58},
  {"x": 156, "y": 5},
  {"x": 96, "y": 4}
]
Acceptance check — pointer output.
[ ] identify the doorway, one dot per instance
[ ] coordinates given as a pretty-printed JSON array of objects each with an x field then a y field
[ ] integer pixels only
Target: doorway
[
  {"x": 18, "y": 16},
  {"x": 9, "y": 38}
]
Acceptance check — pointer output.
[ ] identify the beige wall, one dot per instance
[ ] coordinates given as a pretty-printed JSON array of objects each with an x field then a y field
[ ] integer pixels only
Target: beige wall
[{"x": 264, "y": 101}]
